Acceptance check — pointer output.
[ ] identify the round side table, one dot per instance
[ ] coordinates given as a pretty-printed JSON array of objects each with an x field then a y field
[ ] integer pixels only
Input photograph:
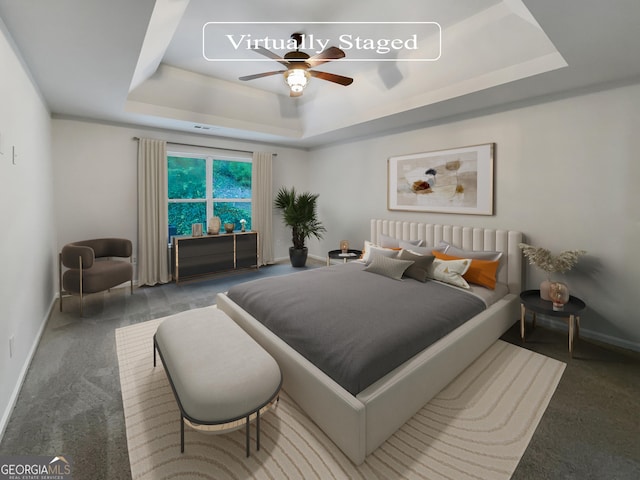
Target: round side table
[
  {"x": 530, "y": 300},
  {"x": 338, "y": 255}
]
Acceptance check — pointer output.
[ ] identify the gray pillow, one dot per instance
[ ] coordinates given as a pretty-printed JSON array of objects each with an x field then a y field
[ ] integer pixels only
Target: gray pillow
[
  {"x": 448, "y": 249},
  {"x": 420, "y": 268},
  {"x": 379, "y": 252},
  {"x": 389, "y": 267},
  {"x": 387, "y": 241},
  {"x": 411, "y": 243},
  {"x": 419, "y": 250}
]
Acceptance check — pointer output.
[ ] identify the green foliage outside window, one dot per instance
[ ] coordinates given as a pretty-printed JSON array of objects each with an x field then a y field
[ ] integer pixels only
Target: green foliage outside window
[
  {"x": 187, "y": 180},
  {"x": 233, "y": 212},
  {"x": 183, "y": 215},
  {"x": 231, "y": 179}
]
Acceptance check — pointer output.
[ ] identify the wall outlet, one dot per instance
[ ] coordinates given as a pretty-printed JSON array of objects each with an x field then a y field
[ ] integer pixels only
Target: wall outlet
[
  {"x": 11, "y": 346},
  {"x": 134, "y": 260}
]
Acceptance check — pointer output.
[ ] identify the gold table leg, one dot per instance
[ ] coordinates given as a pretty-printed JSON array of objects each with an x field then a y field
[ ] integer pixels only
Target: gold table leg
[{"x": 572, "y": 320}]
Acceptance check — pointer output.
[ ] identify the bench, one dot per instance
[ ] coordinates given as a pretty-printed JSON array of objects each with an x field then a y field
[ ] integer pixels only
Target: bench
[{"x": 221, "y": 378}]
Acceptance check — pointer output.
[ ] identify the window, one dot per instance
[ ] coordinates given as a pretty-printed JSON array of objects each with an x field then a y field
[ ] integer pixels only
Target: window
[{"x": 203, "y": 186}]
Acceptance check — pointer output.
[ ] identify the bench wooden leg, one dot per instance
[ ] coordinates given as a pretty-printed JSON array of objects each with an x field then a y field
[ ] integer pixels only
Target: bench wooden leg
[
  {"x": 181, "y": 434},
  {"x": 247, "y": 434},
  {"x": 258, "y": 430}
]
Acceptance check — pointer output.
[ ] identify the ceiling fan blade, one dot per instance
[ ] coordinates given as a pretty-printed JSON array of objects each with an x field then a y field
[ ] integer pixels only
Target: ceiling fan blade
[
  {"x": 260, "y": 75},
  {"x": 332, "y": 77},
  {"x": 331, "y": 53},
  {"x": 270, "y": 54}
]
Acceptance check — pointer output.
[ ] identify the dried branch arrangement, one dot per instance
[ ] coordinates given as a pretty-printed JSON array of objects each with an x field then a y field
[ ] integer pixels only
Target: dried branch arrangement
[{"x": 545, "y": 260}]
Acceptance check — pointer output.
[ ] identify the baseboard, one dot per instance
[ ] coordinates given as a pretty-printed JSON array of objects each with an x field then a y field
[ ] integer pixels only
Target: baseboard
[
  {"x": 318, "y": 257},
  {"x": 6, "y": 415},
  {"x": 589, "y": 334},
  {"x": 310, "y": 256},
  {"x": 122, "y": 285}
]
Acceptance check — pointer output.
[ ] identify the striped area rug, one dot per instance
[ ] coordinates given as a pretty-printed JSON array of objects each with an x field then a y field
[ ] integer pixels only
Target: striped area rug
[{"x": 478, "y": 427}]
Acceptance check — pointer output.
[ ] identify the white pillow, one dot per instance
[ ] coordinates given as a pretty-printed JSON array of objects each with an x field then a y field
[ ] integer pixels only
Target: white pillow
[
  {"x": 450, "y": 271},
  {"x": 366, "y": 250},
  {"x": 389, "y": 267}
]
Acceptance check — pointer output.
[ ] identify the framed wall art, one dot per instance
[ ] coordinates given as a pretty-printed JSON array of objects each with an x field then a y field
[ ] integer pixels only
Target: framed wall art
[{"x": 457, "y": 180}]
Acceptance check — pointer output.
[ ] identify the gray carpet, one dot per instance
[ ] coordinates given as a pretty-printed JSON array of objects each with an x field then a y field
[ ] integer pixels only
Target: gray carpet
[{"x": 71, "y": 404}]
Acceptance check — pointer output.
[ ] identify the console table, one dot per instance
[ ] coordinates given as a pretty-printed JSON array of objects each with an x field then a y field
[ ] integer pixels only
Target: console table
[{"x": 209, "y": 254}]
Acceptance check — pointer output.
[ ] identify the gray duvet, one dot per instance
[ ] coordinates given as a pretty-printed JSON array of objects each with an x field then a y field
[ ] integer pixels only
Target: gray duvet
[{"x": 354, "y": 325}]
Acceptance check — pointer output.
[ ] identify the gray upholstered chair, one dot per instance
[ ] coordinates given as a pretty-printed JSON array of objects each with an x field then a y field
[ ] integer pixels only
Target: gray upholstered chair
[{"x": 91, "y": 268}]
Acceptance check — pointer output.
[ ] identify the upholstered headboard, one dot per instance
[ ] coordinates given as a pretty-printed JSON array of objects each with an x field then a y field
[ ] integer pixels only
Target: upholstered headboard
[{"x": 468, "y": 238}]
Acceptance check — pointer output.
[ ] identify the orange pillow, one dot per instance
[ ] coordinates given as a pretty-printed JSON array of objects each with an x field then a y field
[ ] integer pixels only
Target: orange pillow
[{"x": 481, "y": 272}]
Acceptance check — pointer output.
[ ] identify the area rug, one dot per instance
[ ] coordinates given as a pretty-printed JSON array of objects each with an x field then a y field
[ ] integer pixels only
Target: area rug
[{"x": 478, "y": 427}]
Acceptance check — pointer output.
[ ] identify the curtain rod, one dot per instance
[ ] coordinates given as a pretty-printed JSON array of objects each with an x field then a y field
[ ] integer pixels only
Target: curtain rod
[{"x": 205, "y": 146}]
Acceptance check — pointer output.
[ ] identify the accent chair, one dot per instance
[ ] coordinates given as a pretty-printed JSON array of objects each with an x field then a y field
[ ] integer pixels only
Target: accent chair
[{"x": 91, "y": 267}]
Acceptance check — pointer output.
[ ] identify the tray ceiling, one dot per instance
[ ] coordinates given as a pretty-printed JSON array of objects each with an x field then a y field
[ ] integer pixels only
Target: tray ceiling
[{"x": 142, "y": 62}]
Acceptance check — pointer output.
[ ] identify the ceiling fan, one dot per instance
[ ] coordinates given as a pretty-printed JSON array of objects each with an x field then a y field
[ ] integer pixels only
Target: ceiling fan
[{"x": 299, "y": 65}]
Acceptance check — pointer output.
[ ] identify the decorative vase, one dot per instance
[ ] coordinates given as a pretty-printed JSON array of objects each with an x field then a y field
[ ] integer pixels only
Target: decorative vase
[
  {"x": 544, "y": 289},
  {"x": 228, "y": 227},
  {"x": 196, "y": 230},
  {"x": 214, "y": 226},
  {"x": 559, "y": 294}
]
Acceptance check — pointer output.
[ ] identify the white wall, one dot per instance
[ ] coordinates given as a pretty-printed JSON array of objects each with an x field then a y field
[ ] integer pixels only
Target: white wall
[
  {"x": 566, "y": 175},
  {"x": 95, "y": 177},
  {"x": 26, "y": 210}
]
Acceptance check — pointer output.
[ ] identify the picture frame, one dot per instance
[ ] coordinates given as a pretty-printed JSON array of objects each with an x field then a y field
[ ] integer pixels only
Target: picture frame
[{"x": 456, "y": 180}]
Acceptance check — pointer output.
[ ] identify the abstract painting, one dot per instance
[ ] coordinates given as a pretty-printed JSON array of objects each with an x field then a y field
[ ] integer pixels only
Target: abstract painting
[{"x": 457, "y": 180}]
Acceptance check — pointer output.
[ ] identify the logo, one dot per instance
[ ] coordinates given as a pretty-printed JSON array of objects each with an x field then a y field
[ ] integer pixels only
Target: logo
[
  {"x": 35, "y": 468},
  {"x": 361, "y": 41}
]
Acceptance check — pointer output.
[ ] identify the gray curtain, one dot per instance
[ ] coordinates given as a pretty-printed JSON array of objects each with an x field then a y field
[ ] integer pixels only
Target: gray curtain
[
  {"x": 153, "y": 264},
  {"x": 262, "y": 205}
]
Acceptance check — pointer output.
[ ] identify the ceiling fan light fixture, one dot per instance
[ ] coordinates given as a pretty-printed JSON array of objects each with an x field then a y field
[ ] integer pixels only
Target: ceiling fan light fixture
[
  {"x": 299, "y": 67},
  {"x": 297, "y": 79}
]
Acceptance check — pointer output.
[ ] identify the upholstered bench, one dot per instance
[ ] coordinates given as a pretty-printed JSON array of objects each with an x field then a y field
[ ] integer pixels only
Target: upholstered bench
[{"x": 221, "y": 378}]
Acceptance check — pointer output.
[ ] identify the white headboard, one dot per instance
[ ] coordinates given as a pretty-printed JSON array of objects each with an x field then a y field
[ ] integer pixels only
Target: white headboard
[{"x": 469, "y": 238}]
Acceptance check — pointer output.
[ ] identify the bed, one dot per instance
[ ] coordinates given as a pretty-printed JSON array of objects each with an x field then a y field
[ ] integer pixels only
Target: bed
[{"x": 360, "y": 418}]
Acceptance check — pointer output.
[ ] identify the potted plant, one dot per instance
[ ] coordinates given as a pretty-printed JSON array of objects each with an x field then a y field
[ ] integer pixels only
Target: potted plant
[{"x": 299, "y": 211}]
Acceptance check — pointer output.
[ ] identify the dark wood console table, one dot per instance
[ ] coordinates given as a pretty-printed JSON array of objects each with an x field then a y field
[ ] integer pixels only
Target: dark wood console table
[{"x": 194, "y": 257}]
